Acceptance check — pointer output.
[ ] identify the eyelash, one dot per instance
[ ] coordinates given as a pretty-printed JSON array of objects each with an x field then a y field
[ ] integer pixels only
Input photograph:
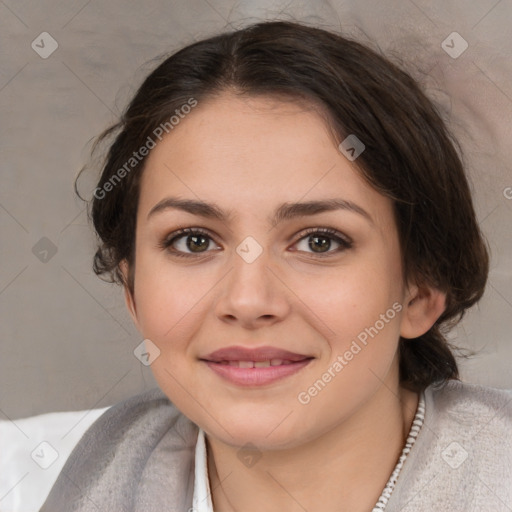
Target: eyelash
[{"x": 344, "y": 241}]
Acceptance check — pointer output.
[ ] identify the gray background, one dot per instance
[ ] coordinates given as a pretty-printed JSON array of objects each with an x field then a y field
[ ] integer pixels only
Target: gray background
[{"x": 66, "y": 341}]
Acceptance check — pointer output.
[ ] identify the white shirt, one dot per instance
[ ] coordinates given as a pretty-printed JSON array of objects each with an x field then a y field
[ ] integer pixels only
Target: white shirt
[{"x": 202, "y": 500}]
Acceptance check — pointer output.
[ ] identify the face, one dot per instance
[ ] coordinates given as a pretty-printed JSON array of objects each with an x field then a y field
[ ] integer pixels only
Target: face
[{"x": 323, "y": 284}]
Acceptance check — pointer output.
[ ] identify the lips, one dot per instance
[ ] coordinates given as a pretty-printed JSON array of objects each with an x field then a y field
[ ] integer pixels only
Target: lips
[
  {"x": 259, "y": 357},
  {"x": 255, "y": 367}
]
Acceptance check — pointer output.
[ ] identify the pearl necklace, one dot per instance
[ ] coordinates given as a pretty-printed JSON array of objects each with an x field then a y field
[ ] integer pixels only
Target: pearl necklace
[{"x": 413, "y": 434}]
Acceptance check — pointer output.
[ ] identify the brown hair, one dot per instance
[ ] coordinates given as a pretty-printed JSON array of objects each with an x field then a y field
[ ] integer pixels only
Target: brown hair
[{"x": 409, "y": 156}]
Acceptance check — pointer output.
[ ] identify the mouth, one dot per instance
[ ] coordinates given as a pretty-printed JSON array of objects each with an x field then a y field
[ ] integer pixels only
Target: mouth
[
  {"x": 258, "y": 364},
  {"x": 255, "y": 367}
]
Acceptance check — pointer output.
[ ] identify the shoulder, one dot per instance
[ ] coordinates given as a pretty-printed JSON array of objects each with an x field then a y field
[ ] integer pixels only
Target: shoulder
[
  {"x": 141, "y": 446},
  {"x": 462, "y": 457},
  {"x": 461, "y": 405},
  {"x": 472, "y": 419}
]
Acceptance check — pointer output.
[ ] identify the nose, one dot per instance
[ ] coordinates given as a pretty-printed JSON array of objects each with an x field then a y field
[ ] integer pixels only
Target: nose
[{"x": 253, "y": 294}]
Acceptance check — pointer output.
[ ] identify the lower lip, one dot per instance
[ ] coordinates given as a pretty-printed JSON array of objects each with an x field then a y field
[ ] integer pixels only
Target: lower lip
[{"x": 256, "y": 376}]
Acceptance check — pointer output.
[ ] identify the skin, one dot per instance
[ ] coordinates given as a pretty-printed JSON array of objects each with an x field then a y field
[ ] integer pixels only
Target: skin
[{"x": 250, "y": 155}]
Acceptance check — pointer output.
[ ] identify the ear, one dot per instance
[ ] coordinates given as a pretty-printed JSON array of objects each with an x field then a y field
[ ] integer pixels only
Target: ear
[
  {"x": 422, "y": 307},
  {"x": 128, "y": 296}
]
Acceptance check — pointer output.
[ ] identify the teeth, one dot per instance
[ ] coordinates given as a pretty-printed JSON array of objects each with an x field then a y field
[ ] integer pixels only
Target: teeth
[
  {"x": 256, "y": 364},
  {"x": 261, "y": 364}
]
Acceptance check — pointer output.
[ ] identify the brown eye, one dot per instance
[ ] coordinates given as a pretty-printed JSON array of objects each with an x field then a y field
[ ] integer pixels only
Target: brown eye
[
  {"x": 320, "y": 241},
  {"x": 196, "y": 243},
  {"x": 187, "y": 242}
]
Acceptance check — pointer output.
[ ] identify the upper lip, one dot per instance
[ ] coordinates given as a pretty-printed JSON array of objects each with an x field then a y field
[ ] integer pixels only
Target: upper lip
[{"x": 238, "y": 353}]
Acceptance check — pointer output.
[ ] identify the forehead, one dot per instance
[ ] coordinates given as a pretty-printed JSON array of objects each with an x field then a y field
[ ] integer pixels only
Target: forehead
[
  {"x": 250, "y": 131},
  {"x": 250, "y": 153}
]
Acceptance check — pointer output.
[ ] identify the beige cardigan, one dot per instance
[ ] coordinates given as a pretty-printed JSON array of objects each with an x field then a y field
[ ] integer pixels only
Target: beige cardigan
[{"x": 139, "y": 457}]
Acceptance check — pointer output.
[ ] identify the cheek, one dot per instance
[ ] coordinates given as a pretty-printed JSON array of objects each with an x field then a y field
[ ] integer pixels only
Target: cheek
[
  {"x": 361, "y": 327},
  {"x": 348, "y": 299},
  {"x": 360, "y": 310},
  {"x": 167, "y": 298}
]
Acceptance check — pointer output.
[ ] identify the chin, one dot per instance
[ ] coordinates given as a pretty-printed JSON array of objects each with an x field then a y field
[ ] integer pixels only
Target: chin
[{"x": 266, "y": 432}]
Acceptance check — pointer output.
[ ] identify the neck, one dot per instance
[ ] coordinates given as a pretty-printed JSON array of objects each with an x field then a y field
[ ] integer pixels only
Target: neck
[{"x": 345, "y": 469}]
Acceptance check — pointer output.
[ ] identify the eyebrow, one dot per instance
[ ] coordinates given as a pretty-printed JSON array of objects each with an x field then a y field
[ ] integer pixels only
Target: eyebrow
[{"x": 285, "y": 211}]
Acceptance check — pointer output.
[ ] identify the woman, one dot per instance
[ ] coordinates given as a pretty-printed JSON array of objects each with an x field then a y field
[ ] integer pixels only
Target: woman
[{"x": 295, "y": 234}]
